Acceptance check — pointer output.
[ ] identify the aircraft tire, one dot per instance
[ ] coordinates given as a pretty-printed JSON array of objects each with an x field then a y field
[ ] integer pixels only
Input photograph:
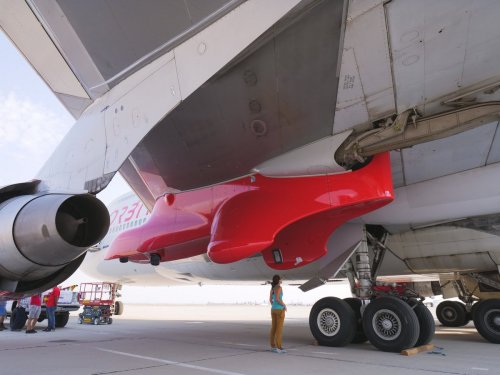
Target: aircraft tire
[
  {"x": 390, "y": 324},
  {"x": 487, "y": 319},
  {"x": 426, "y": 322},
  {"x": 359, "y": 336},
  {"x": 452, "y": 314},
  {"x": 332, "y": 322}
]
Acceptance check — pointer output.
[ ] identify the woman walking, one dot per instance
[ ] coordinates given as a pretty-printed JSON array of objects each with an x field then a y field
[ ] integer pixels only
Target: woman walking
[{"x": 278, "y": 309}]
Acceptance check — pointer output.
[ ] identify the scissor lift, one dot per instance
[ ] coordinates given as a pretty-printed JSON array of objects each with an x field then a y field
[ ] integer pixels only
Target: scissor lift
[{"x": 98, "y": 301}]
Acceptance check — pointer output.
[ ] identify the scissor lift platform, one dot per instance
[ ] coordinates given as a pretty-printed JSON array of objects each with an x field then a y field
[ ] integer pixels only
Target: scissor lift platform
[{"x": 98, "y": 301}]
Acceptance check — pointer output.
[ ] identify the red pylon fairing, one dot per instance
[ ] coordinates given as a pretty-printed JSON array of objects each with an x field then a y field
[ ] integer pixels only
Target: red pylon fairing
[{"x": 288, "y": 220}]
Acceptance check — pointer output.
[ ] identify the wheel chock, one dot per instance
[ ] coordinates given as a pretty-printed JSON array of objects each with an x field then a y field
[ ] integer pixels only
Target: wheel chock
[{"x": 417, "y": 349}]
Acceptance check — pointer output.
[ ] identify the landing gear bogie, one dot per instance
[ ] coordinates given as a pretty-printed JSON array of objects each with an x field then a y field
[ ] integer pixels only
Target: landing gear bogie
[{"x": 390, "y": 315}]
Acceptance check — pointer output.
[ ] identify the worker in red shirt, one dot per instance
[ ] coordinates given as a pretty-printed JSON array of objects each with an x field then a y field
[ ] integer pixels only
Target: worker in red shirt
[
  {"x": 51, "y": 305},
  {"x": 35, "y": 309}
]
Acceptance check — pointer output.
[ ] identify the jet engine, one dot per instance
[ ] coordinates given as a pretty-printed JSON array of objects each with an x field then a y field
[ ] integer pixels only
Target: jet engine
[{"x": 44, "y": 238}]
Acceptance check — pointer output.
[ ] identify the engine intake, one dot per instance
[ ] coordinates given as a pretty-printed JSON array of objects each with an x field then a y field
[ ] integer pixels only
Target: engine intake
[{"x": 40, "y": 235}]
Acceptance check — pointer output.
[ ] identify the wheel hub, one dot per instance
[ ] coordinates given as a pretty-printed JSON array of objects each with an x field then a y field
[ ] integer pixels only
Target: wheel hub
[
  {"x": 449, "y": 313},
  {"x": 328, "y": 322},
  {"x": 386, "y": 324}
]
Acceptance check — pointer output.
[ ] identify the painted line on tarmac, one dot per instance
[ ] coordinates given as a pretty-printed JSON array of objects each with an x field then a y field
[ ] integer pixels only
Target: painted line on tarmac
[
  {"x": 173, "y": 363},
  {"x": 94, "y": 332},
  {"x": 325, "y": 353},
  {"x": 480, "y": 369},
  {"x": 236, "y": 343}
]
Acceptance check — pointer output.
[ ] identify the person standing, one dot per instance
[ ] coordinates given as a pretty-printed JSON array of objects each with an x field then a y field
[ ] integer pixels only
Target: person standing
[
  {"x": 278, "y": 309},
  {"x": 51, "y": 305},
  {"x": 34, "y": 311},
  {"x": 3, "y": 313}
]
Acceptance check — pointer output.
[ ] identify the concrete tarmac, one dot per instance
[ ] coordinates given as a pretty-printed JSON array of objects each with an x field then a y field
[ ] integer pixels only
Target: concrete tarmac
[{"x": 230, "y": 340}]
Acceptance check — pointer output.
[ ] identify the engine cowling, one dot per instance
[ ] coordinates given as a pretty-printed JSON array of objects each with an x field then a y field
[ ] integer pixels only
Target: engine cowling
[{"x": 43, "y": 238}]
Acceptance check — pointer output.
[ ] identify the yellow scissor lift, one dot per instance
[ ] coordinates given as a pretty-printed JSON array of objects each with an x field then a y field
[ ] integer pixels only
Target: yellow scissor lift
[{"x": 99, "y": 302}]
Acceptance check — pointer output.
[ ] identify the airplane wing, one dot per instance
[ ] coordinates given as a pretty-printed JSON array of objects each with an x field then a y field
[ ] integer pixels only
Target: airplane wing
[
  {"x": 186, "y": 104},
  {"x": 261, "y": 99}
]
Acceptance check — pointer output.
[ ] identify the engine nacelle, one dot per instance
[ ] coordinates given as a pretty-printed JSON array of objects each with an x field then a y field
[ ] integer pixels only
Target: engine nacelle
[{"x": 43, "y": 238}]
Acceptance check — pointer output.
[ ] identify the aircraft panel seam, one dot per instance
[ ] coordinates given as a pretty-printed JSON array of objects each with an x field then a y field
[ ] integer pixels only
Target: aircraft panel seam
[{"x": 491, "y": 144}]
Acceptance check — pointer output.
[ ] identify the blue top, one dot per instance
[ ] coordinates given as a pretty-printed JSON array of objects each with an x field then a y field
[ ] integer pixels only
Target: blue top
[
  {"x": 276, "y": 305},
  {"x": 3, "y": 312}
]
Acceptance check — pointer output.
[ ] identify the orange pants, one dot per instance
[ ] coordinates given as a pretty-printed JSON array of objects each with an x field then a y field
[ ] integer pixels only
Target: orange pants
[{"x": 278, "y": 318}]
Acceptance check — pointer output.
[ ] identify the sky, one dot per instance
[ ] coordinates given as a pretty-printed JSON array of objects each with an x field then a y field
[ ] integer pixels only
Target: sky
[{"x": 33, "y": 122}]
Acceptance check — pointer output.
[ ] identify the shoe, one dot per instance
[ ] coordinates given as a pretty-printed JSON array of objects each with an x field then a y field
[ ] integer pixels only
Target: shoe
[
  {"x": 45, "y": 330},
  {"x": 275, "y": 350},
  {"x": 282, "y": 350},
  {"x": 31, "y": 331}
]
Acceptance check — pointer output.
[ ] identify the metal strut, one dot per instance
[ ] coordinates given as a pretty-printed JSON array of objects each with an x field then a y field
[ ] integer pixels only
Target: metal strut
[
  {"x": 379, "y": 250},
  {"x": 363, "y": 269},
  {"x": 485, "y": 280},
  {"x": 362, "y": 274}
]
